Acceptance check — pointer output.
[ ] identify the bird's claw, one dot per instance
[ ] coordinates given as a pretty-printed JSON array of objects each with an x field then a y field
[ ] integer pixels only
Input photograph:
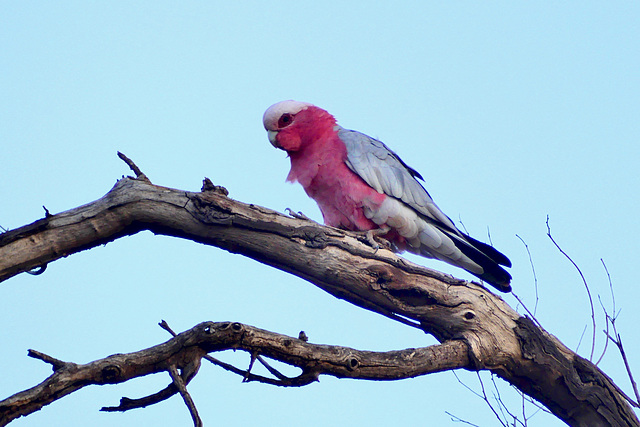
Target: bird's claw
[
  {"x": 297, "y": 215},
  {"x": 373, "y": 238}
]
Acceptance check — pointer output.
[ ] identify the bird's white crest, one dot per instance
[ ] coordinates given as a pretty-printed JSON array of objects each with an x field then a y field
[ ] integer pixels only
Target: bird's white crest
[{"x": 273, "y": 113}]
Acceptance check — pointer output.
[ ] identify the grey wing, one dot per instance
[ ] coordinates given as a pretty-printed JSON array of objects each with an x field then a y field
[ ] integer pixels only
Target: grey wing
[{"x": 383, "y": 170}]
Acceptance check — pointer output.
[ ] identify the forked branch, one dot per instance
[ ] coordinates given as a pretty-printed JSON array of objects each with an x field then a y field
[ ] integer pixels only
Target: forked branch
[
  {"x": 182, "y": 354},
  {"x": 458, "y": 313}
]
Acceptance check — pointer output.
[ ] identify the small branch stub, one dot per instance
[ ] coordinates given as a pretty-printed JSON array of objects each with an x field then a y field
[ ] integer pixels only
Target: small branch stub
[
  {"x": 207, "y": 185},
  {"x": 139, "y": 175}
]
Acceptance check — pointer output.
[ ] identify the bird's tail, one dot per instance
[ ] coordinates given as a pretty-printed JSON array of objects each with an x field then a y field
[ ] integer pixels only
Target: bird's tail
[
  {"x": 490, "y": 259},
  {"x": 478, "y": 258}
]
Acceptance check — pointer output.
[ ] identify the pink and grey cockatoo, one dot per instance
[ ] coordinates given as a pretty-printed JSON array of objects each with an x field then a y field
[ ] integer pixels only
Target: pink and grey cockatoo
[{"x": 361, "y": 185}]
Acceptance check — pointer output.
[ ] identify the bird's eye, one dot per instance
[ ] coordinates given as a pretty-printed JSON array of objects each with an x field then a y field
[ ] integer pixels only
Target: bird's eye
[{"x": 285, "y": 120}]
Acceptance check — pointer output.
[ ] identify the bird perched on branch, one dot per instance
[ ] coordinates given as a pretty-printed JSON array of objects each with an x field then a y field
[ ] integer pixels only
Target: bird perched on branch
[{"x": 361, "y": 185}]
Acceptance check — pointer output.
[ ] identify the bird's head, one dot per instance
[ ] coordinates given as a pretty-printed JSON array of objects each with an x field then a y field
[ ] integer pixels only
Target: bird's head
[{"x": 291, "y": 125}]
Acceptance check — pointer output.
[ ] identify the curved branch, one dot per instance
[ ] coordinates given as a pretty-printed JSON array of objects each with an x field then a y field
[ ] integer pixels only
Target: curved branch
[
  {"x": 185, "y": 351},
  {"x": 497, "y": 337}
]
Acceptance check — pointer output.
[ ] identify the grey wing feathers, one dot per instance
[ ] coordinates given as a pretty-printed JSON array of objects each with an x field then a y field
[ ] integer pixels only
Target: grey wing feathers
[
  {"x": 383, "y": 170},
  {"x": 434, "y": 235}
]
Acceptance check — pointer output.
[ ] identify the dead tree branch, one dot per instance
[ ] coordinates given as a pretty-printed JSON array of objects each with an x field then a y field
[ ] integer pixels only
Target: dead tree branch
[
  {"x": 496, "y": 337},
  {"x": 181, "y": 356}
]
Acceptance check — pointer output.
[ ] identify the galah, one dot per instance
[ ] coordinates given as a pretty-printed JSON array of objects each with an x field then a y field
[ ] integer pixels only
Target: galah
[{"x": 361, "y": 185}]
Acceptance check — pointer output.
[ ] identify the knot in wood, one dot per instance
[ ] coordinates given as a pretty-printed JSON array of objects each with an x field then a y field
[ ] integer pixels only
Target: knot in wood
[
  {"x": 352, "y": 363},
  {"x": 469, "y": 315},
  {"x": 224, "y": 326},
  {"x": 111, "y": 374}
]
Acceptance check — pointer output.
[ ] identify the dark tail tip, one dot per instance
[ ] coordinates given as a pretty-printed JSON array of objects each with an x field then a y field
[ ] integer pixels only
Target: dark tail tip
[
  {"x": 497, "y": 277},
  {"x": 489, "y": 259}
]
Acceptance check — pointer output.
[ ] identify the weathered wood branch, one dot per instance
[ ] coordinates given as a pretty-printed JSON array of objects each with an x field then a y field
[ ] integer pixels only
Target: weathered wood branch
[
  {"x": 497, "y": 338},
  {"x": 184, "y": 353}
]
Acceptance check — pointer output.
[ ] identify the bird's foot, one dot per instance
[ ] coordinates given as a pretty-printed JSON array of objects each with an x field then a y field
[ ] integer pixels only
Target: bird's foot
[
  {"x": 373, "y": 238},
  {"x": 297, "y": 215}
]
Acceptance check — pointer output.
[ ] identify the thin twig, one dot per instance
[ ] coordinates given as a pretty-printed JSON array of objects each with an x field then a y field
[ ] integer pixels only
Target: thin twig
[
  {"x": 127, "y": 404},
  {"x": 524, "y": 410},
  {"x": 164, "y": 325},
  {"x": 462, "y": 225},
  {"x": 532, "y": 402},
  {"x": 618, "y": 340},
  {"x": 282, "y": 380},
  {"x": 254, "y": 356},
  {"x": 457, "y": 419},
  {"x": 613, "y": 295},
  {"x": 55, "y": 363},
  {"x": 139, "y": 175},
  {"x": 581, "y": 337},
  {"x": 466, "y": 386},
  {"x": 606, "y": 331},
  {"x": 501, "y": 403},
  {"x": 307, "y": 376},
  {"x": 271, "y": 369},
  {"x": 533, "y": 269},
  {"x": 486, "y": 399},
  {"x": 586, "y": 286},
  {"x": 247, "y": 376},
  {"x": 182, "y": 388},
  {"x": 501, "y": 408},
  {"x": 533, "y": 317},
  {"x": 618, "y": 343}
]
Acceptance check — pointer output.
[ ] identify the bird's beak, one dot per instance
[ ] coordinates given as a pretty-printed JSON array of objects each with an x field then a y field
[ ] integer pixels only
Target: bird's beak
[{"x": 272, "y": 138}]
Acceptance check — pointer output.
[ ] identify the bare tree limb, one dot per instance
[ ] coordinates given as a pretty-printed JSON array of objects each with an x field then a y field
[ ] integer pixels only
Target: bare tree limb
[
  {"x": 495, "y": 337},
  {"x": 184, "y": 352}
]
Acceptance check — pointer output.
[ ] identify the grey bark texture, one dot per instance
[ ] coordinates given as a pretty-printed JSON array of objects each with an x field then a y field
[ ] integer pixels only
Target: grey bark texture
[{"x": 493, "y": 335}]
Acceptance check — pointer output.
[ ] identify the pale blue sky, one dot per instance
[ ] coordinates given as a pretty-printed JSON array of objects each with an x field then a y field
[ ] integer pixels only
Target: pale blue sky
[{"x": 511, "y": 111}]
